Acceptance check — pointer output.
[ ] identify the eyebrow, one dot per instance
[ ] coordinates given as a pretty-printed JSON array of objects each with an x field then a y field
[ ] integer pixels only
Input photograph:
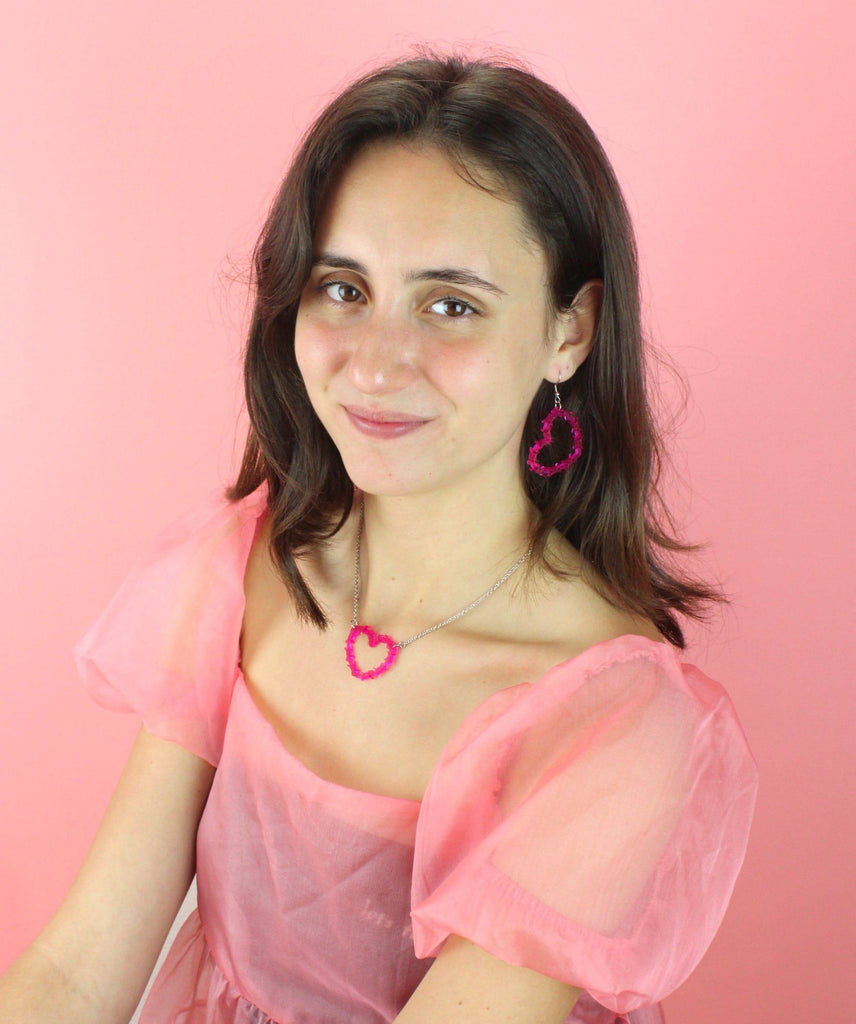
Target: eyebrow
[{"x": 451, "y": 275}]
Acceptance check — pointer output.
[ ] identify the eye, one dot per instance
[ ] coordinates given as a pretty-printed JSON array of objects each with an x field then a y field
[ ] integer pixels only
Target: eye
[
  {"x": 346, "y": 287},
  {"x": 338, "y": 284},
  {"x": 457, "y": 302}
]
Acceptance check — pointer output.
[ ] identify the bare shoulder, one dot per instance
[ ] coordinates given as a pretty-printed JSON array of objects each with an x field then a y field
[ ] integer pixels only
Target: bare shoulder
[
  {"x": 641, "y": 626},
  {"x": 270, "y": 620},
  {"x": 574, "y": 611},
  {"x": 321, "y": 563}
]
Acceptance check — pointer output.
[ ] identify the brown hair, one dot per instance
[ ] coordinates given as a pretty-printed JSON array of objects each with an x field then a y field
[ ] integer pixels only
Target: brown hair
[{"x": 494, "y": 114}]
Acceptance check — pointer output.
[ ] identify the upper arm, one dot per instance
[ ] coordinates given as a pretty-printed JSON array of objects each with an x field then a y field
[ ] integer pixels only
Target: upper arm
[
  {"x": 110, "y": 928},
  {"x": 468, "y": 985}
]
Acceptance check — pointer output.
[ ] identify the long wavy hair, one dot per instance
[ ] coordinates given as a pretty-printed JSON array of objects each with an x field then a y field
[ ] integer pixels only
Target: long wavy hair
[{"x": 494, "y": 114}]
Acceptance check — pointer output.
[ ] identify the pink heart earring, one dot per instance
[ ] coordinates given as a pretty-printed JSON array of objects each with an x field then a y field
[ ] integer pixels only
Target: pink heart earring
[{"x": 557, "y": 412}]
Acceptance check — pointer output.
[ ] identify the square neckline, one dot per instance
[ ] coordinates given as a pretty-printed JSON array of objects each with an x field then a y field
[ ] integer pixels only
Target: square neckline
[
  {"x": 361, "y": 794},
  {"x": 367, "y": 796}
]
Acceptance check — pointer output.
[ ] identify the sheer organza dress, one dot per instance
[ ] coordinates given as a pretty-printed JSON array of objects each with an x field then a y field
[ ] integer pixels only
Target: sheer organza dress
[{"x": 589, "y": 824}]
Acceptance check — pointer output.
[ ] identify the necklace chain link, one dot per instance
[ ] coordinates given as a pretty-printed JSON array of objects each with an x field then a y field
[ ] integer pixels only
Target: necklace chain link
[{"x": 451, "y": 618}]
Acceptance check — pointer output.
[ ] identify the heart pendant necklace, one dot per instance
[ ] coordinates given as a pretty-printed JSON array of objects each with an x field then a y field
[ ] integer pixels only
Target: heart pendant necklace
[{"x": 392, "y": 646}]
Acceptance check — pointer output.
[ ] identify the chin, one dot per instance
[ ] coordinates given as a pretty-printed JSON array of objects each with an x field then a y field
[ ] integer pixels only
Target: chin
[
  {"x": 378, "y": 481},
  {"x": 370, "y": 484}
]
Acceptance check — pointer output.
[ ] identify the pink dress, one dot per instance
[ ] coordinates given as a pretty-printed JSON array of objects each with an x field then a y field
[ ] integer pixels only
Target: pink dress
[{"x": 589, "y": 824}]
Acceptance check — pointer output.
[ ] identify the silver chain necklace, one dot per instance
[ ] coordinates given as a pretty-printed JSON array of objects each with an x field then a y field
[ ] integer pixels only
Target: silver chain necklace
[{"x": 394, "y": 646}]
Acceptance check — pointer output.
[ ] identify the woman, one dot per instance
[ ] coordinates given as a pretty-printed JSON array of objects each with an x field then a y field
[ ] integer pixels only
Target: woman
[{"x": 538, "y": 811}]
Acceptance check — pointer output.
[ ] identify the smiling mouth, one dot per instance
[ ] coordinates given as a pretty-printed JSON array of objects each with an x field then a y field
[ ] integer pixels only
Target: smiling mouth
[
  {"x": 387, "y": 429},
  {"x": 379, "y": 416}
]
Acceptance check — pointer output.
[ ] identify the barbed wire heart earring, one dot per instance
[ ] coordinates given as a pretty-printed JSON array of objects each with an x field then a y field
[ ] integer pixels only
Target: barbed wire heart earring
[{"x": 557, "y": 412}]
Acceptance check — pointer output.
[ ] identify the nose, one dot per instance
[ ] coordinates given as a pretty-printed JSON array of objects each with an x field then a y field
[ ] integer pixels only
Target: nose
[{"x": 381, "y": 358}]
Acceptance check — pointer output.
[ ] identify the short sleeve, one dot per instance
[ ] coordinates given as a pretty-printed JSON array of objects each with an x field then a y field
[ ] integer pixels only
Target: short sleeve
[
  {"x": 166, "y": 646},
  {"x": 590, "y": 826}
]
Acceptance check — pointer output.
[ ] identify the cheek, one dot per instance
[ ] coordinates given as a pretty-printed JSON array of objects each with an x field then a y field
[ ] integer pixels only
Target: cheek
[
  {"x": 314, "y": 352},
  {"x": 492, "y": 391},
  {"x": 463, "y": 373}
]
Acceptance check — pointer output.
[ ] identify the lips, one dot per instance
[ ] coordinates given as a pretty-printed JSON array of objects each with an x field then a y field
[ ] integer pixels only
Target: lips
[
  {"x": 384, "y": 429},
  {"x": 383, "y": 416}
]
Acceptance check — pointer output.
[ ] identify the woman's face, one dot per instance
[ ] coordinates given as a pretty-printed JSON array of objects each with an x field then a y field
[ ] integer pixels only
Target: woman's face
[{"x": 379, "y": 329}]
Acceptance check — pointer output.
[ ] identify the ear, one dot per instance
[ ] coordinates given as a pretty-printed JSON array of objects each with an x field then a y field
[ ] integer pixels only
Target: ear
[{"x": 574, "y": 329}]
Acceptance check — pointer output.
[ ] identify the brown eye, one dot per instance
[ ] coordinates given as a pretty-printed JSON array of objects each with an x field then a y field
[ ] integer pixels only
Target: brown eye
[
  {"x": 451, "y": 300},
  {"x": 338, "y": 284}
]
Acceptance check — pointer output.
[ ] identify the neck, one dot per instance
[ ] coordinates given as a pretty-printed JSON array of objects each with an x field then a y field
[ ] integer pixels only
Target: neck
[{"x": 423, "y": 557}]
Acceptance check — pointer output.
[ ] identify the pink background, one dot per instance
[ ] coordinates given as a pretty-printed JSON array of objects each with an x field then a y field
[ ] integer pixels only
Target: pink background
[{"x": 140, "y": 146}]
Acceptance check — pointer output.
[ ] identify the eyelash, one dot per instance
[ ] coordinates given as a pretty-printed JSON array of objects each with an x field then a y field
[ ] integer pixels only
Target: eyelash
[{"x": 322, "y": 288}]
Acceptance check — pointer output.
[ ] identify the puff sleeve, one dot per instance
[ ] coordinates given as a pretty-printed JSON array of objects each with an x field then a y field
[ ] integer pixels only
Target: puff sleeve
[
  {"x": 166, "y": 644},
  {"x": 590, "y": 826}
]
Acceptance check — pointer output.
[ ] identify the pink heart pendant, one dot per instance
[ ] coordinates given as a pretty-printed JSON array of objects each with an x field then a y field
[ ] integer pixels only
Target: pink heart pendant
[
  {"x": 374, "y": 640},
  {"x": 547, "y": 438}
]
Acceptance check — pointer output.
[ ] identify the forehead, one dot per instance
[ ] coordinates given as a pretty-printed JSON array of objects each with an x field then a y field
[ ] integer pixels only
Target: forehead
[{"x": 409, "y": 200}]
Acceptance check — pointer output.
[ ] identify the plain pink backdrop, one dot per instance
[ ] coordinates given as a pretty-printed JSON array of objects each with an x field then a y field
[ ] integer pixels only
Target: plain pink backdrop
[{"x": 140, "y": 147}]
